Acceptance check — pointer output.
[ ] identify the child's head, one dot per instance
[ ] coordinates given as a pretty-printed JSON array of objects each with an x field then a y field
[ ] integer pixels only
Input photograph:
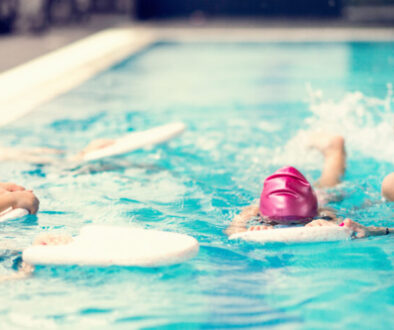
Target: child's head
[
  {"x": 288, "y": 197},
  {"x": 388, "y": 187}
]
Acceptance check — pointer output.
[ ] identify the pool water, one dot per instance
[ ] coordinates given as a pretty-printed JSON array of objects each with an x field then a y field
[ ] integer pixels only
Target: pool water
[{"x": 249, "y": 109}]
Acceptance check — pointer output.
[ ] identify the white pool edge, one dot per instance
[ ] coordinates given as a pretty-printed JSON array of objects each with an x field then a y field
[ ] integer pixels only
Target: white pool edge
[
  {"x": 53, "y": 74},
  {"x": 44, "y": 79}
]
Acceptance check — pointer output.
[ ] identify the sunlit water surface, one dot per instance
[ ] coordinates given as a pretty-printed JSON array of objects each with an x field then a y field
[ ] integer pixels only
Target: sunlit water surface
[{"x": 249, "y": 109}]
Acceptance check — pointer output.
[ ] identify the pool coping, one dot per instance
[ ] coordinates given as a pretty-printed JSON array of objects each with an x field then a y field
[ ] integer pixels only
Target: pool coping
[{"x": 44, "y": 79}]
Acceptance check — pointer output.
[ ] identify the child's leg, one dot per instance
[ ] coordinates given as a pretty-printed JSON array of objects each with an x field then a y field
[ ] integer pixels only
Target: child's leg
[
  {"x": 388, "y": 187},
  {"x": 333, "y": 150}
]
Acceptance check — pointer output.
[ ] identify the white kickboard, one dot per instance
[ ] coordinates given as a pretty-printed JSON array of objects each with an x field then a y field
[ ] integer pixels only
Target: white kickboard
[
  {"x": 113, "y": 245},
  {"x": 296, "y": 234},
  {"x": 138, "y": 140},
  {"x": 12, "y": 214}
]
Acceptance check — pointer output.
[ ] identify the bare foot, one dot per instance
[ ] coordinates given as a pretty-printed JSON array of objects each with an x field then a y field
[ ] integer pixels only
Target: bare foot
[
  {"x": 50, "y": 239},
  {"x": 333, "y": 149},
  {"x": 327, "y": 142}
]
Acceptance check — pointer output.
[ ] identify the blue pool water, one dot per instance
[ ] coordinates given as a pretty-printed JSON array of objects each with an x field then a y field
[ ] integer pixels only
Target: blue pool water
[{"x": 248, "y": 108}]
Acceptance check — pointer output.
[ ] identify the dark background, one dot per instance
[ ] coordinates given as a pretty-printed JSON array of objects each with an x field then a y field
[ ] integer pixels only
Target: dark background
[
  {"x": 148, "y": 9},
  {"x": 18, "y": 15}
]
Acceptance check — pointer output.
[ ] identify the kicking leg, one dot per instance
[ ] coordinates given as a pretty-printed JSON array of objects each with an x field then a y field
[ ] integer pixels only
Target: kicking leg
[{"x": 333, "y": 149}]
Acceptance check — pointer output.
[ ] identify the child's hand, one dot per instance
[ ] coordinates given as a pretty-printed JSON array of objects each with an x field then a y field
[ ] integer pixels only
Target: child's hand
[
  {"x": 261, "y": 227},
  {"x": 25, "y": 200},
  {"x": 9, "y": 186},
  {"x": 93, "y": 146},
  {"x": 320, "y": 223},
  {"x": 359, "y": 230},
  {"x": 50, "y": 239},
  {"x": 97, "y": 145}
]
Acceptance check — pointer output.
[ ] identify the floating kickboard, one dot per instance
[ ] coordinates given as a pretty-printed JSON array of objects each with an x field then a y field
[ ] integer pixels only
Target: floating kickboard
[
  {"x": 137, "y": 140},
  {"x": 12, "y": 214},
  {"x": 123, "y": 246},
  {"x": 296, "y": 234}
]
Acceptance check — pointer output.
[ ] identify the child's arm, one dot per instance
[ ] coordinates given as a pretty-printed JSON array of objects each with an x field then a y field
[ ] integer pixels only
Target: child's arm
[
  {"x": 364, "y": 231},
  {"x": 357, "y": 228},
  {"x": 238, "y": 224}
]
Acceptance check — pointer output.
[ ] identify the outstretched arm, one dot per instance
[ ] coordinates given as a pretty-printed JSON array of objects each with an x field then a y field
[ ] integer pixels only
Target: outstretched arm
[
  {"x": 32, "y": 155},
  {"x": 358, "y": 229},
  {"x": 238, "y": 224},
  {"x": 364, "y": 231}
]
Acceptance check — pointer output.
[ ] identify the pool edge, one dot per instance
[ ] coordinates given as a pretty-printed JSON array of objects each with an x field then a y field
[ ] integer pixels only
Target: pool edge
[{"x": 44, "y": 79}]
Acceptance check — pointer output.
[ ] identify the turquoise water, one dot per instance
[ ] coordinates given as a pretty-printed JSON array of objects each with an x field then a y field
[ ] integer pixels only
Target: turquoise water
[{"x": 248, "y": 108}]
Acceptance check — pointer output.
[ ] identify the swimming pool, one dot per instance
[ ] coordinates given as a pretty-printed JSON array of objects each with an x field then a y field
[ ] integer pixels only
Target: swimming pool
[{"x": 248, "y": 108}]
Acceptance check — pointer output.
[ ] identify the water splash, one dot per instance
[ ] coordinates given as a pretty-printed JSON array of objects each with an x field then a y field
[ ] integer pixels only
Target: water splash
[{"x": 367, "y": 123}]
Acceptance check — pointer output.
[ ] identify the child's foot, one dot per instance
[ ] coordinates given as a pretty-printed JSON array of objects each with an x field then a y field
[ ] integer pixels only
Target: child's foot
[{"x": 327, "y": 142}]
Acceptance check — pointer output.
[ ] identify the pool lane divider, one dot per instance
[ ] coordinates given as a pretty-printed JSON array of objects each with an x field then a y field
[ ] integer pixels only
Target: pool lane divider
[{"x": 36, "y": 82}]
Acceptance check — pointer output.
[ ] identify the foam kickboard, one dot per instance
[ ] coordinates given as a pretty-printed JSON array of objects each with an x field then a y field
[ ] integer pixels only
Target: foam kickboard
[
  {"x": 113, "y": 245},
  {"x": 137, "y": 140},
  {"x": 12, "y": 214},
  {"x": 296, "y": 234}
]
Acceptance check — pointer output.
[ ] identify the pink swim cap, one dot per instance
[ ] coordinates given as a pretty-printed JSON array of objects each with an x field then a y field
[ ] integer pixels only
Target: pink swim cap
[{"x": 288, "y": 197}]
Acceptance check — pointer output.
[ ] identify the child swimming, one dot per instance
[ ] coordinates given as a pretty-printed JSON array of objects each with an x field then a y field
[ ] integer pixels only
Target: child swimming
[
  {"x": 289, "y": 199},
  {"x": 97, "y": 149}
]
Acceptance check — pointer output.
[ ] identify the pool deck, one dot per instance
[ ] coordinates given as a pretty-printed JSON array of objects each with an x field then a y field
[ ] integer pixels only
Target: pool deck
[{"x": 83, "y": 52}]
